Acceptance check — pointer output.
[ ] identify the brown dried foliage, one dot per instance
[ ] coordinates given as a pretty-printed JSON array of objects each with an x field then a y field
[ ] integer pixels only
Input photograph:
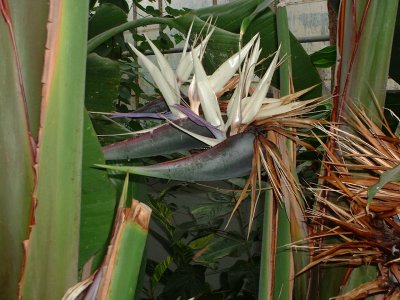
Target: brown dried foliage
[{"x": 366, "y": 233}]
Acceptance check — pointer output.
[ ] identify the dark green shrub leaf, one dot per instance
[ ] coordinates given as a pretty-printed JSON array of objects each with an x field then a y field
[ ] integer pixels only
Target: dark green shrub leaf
[
  {"x": 186, "y": 282},
  {"x": 159, "y": 270},
  {"x": 219, "y": 248},
  {"x": 120, "y": 3},
  {"x": 152, "y": 11},
  {"x": 201, "y": 242},
  {"x": 205, "y": 213},
  {"x": 107, "y": 16},
  {"x": 175, "y": 12}
]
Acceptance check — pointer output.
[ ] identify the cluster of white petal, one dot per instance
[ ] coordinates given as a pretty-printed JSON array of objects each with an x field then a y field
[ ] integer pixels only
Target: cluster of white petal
[{"x": 242, "y": 109}]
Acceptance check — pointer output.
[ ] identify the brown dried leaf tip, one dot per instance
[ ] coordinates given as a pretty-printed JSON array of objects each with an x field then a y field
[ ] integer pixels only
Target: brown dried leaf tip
[{"x": 140, "y": 213}]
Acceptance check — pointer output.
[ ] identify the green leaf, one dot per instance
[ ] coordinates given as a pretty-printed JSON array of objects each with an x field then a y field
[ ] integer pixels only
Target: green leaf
[
  {"x": 152, "y": 11},
  {"x": 159, "y": 270},
  {"x": 102, "y": 82},
  {"x": 386, "y": 177},
  {"x": 98, "y": 198},
  {"x": 358, "y": 276},
  {"x": 32, "y": 15},
  {"x": 205, "y": 213},
  {"x": 182, "y": 230},
  {"x": 178, "y": 38},
  {"x": 259, "y": 9},
  {"x": 304, "y": 73},
  {"x": 122, "y": 271},
  {"x": 243, "y": 276},
  {"x": 175, "y": 12},
  {"x": 16, "y": 160},
  {"x": 53, "y": 242},
  {"x": 120, "y": 3},
  {"x": 128, "y": 262},
  {"x": 324, "y": 58},
  {"x": 219, "y": 248},
  {"x": 162, "y": 213},
  {"x": 201, "y": 242},
  {"x": 290, "y": 217},
  {"x": 362, "y": 81},
  {"x": 228, "y": 16},
  {"x": 107, "y": 16},
  {"x": 268, "y": 250},
  {"x": 177, "y": 284},
  {"x": 164, "y": 41},
  {"x": 394, "y": 70},
  {"x": 283, "y": 264}
]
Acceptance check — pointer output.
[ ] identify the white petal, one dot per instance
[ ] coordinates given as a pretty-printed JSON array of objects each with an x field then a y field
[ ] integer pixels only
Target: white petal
[
  {"x": 194, "y": 97},
  {"x": 259, "y": 94},
  {"x": 164, "y": 66},
  {"x": 185, "y": 65},
  {"x": 167, "y": 91},
  {"x": 249, "y": 72},
  {"x": 234, "y": 112},
  {"x": 225, "y": 72},
  {"x": 207, "y": 97},
  {"x": 186, "y": 44}
]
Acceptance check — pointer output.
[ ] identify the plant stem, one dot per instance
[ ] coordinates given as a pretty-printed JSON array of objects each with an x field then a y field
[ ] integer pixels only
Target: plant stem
[{"x": 93, "y": 43}]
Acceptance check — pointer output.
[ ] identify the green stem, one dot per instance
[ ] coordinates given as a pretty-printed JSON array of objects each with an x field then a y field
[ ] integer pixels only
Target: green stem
[
  {"x": 266, "y": 283},
  {"x": 93, "y": 43},
  {"x": 283, "y": 269},
  {"x": 285, "y": 70}
]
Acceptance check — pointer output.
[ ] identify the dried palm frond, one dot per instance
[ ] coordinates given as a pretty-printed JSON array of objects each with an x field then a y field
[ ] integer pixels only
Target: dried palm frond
[{"x": 368, "y": 231}]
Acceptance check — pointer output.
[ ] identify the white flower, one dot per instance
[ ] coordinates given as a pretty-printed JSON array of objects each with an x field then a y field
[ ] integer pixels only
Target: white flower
[{"x": 242, "y": 108}]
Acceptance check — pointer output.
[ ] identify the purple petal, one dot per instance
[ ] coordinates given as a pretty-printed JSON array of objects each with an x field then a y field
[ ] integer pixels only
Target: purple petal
[
  {"x": 136, "y": 115},
  {"x": 200, "y": 121}
]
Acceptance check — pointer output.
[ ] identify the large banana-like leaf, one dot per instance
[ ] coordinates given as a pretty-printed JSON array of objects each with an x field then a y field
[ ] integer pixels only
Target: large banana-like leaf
[
  {"x": 229, "y": 16},
  {"x": 16, "y": 150},
  {"x": 102, "y": 82},
  {"x": 52, "y": 248},
  {"x": 29, "y": 21},
  {"x": 394, "y": 70},
  {"x": 98, "y": 199},
  {"x": 361, "y": 43}
]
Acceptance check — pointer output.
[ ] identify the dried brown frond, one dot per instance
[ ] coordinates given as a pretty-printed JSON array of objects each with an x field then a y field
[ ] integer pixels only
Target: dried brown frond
[{"x": 367, "y": 233}]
